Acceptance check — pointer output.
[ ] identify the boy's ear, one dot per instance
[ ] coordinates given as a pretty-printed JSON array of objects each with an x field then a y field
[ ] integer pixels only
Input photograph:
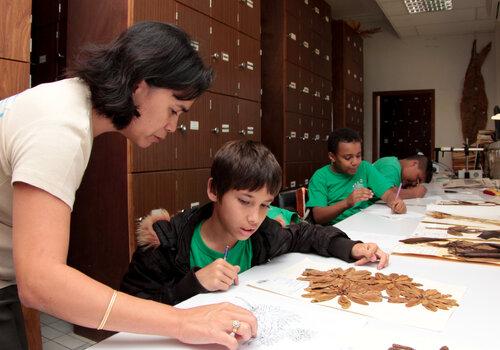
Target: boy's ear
[
  {"x": 331, "y": 156},
  {"x": 211, "y": 193}
]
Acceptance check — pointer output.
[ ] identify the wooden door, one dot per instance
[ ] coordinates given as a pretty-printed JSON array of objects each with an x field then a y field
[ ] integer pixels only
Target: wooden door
[
  {"x": 191, "y": 188},
  {"x": 248, "y": 68},
  {"x": 249, "y": 18},
  {"x": 406, "y": 123},
  {"x": 197, "y": 25},
  {"x": 202, "y": 6},
  {"x": 153, "y": 10},
  {"x": 225, "y": 11},
  {"x": 248, "y": 120},
  {"x": 223, "y": 55}
]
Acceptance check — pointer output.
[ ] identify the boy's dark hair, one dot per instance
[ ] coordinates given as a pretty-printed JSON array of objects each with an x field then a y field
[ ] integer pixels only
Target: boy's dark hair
[
  {"x": 341, "y": 135},
  {"x": 158, "y": 53},
  {"x": 424, "y": 164},
  {"x": 245, "y": 165}
]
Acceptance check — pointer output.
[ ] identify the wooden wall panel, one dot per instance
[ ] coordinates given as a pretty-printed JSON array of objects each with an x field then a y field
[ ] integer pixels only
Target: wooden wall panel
[
  {"x": 15, "y": 77},
  {"x": 225, "y": 11},
  {"x": 202, "y": 6},
  {"x": 15, "y": 29}
]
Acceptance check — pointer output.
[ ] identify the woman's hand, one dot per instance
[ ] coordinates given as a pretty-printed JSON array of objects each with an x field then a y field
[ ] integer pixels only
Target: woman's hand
[
  {"x": 219, "y": 275},
  {"x": 358, "y": 195},
  {"x": 369, "y": 252},
  {"x": 211, "y": 324}
]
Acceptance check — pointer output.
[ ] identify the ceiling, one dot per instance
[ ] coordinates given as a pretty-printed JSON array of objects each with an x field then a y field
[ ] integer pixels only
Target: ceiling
[{"x": 467, "y": 16}]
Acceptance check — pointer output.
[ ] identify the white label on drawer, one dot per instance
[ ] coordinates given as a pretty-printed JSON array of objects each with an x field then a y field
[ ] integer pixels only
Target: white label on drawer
[
  {"x": 195, "y": 45},
  {"x": 306, "y": 136},
  {"x": 249, "y": 132},
  {"x": 306, "y": 44},
  {"x": 225, "y": 128},
  {"x": 292, "y": 36},
  {"x": 316, "y": 51},
  {"x": 327, "y": 97},
  {"x": 354, "y": 43},
  {"x": 249, "y": 65},
  {"x": 292, "y": 183},
  {"x": 250, "y": 3},
  {"x": 194, "y": 125},
  {"x": 327, "y": 19},
  {"x": 317, "y": 137},
  {"x": 327, "y": 58},
  {"x": 292, "y": 85},
  {"x": 349, "y": 71},
  {"x": 195, "y": 204},
  {"x": 355, "y": 108},
  {"x": 316, "y": 10},
  {"x": 306, "y": 2},
  {"x": 293, "y": 134},
  {"x": 349, "y": 105},
  {"x": 305, "y": 89},
  {"x": 225, "y": 56}
]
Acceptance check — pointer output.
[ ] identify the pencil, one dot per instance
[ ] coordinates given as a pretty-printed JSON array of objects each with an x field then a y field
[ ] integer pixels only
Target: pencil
[
  {"x": 399, "y": 190},
  {"x": 225, "y": 252}
]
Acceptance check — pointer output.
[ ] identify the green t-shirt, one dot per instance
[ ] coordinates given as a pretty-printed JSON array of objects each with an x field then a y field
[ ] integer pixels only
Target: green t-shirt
[
  {"x": 327, "y": 187},
  {"x": 201, "y": 255},
  {"x": 287, "y": 215},
  {"x": 390, "y": 167}
]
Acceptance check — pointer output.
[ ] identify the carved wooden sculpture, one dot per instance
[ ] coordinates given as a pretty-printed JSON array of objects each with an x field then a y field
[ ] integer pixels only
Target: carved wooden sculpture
[{"x": 474, "y": 104}]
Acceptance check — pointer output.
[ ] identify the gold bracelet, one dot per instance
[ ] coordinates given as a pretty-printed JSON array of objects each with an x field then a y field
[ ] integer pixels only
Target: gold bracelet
[{"x": 108, "y": 310}]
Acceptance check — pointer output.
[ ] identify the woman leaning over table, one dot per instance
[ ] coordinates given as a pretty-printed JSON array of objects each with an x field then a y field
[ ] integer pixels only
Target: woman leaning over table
[{"x": 136, "y": 86}]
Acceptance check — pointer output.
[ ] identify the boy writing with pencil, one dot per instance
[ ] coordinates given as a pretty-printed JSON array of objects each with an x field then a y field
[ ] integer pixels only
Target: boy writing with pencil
[
  {"x": 410, "y": 172},
  {"x": 204, "y": 249}
]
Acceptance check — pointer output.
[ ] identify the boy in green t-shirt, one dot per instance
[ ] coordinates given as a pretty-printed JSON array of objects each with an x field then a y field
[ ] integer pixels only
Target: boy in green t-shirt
[
  {"x": 411, "y": 172},
  {"x": 344, "y": 187},
  {"x": 204, "y": 249}
]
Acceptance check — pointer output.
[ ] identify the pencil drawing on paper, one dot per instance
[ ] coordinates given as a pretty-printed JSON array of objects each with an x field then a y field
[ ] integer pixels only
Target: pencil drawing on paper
[{"x": 276, "y": 325}]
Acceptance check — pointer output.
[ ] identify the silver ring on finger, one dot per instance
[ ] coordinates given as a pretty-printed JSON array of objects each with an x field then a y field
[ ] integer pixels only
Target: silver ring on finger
[{"x": 236, "y": 325}]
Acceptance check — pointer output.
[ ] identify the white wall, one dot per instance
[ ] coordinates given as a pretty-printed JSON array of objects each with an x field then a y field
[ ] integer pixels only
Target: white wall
[{"x": 438, "y": 63}]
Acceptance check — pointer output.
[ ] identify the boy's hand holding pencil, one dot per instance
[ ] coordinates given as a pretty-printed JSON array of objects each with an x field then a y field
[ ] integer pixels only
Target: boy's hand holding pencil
[
  {"x": 219, "y": 275},
  {"x": 397, "y": 204}
]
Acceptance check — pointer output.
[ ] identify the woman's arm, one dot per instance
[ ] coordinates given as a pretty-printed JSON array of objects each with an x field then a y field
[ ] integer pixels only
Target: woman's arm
[{"x": 41, "y": 225}]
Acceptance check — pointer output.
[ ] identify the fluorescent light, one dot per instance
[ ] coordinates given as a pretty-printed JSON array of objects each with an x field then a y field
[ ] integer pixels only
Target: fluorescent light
[{"x": 418, "y": 6}]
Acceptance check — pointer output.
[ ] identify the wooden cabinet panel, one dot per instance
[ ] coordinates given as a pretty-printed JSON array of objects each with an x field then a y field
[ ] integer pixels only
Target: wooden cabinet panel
[
  {"x": 15, "y": 77},
  {"x": 197, "y": 25},
  {"x": 293, "y": 7},
  {"x": 248, "y": 68},
  {"x": 223, "y": 52},
  {"x": 15, "y": 28},
  {"x": 248, "y": 120},
  {"x": 224, "y": 112},
  {"x": 225, "y": 11},
  {"x": 152, "y": 191},
  {"x": 293, "y": 132},
  {"x": 153, "y": 10},
  {"x": 191, "y": 188},
  {"x": 249, "y": 17},
  {"x": 306, "y": 47},
  {"x": 293, "y": 37},
  {"x": 306, "y": 92},
  {"x": 202, "y": 6},
  {"x": 292, "y": 88}
]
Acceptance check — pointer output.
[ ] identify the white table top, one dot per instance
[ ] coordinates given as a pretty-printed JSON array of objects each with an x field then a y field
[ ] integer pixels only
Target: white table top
[{"x": 473, "y": 325}]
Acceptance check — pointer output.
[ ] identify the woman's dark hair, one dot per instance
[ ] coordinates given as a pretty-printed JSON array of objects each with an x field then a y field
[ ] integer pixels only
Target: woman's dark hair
[
  {"x": 245, "y": 165},
  {"x": 341, "y": 135},
  {"x": 158, "y": 53}
]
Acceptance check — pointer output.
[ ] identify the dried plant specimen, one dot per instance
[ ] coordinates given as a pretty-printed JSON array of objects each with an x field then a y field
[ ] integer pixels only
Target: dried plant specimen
[
  {"x": 361, "y": 287},
  {"x": 441, "y": 215},
  {"x": 431, "y": 299}
]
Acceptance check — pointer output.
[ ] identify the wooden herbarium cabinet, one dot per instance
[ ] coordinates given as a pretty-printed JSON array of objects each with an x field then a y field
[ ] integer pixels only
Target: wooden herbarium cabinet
[
  {"x": 297, "y": 87},
  {"x": 124, "y": 182},
  {"x": 347, "y": 77}
]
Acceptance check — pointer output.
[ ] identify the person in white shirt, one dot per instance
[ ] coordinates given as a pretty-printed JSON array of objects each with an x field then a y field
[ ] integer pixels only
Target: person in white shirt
[{"x": 137, "y": 86}]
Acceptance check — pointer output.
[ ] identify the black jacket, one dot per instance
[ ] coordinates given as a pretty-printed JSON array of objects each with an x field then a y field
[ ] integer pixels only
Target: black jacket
[{"x": 163, "y": 273}]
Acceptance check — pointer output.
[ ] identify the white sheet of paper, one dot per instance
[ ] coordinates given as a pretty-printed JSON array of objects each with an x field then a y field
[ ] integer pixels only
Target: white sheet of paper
[
  {"x": 437, "y": 230},
  {"x": 287, "y": 284},
  {"x": 386, "y": 212},
  {"x": 423, "y": 201}
]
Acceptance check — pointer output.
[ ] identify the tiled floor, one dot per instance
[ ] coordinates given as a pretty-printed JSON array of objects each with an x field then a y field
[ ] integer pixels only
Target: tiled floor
[{"x": 58, "y": 335}]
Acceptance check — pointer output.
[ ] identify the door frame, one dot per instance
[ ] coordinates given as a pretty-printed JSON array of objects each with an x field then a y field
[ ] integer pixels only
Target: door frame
[{"x": 377, "y": 95}]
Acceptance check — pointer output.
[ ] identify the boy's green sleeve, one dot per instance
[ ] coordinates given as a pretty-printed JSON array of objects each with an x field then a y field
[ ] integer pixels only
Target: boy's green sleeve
[
  {"x": 317, "y": 191},
  {"x": 376, "y": 181}
]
